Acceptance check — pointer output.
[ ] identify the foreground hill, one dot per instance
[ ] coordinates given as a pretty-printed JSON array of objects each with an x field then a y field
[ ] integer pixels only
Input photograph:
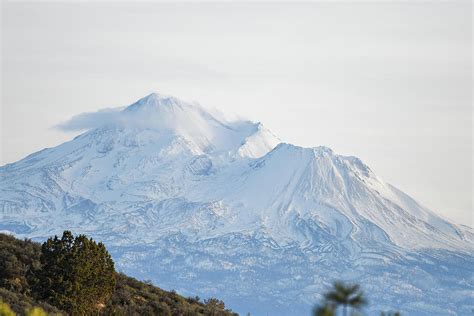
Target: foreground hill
[
  {"x": 193, "y": 202},
  {"x": 131, "y": 297}
]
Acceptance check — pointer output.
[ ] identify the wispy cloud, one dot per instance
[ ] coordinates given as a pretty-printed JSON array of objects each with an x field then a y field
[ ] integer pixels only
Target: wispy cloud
[{"x": 90, "y": 120}]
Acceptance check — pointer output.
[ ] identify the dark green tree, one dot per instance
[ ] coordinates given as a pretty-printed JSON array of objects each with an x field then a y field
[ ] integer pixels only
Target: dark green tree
[
  {"x": 77, "y": 274},
  {"x": 345, "y": 295}
]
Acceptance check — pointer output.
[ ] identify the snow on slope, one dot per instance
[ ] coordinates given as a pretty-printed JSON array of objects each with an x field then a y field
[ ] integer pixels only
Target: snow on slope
[{"x": 165, "y": 171}]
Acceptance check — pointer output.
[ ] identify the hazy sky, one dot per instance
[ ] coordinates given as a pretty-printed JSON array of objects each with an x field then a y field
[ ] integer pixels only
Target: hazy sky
[{"x": 388, "y": 82}]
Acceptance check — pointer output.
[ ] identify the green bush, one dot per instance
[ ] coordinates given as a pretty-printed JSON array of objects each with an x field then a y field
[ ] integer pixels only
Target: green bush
[{"x": 5, "y": 310}]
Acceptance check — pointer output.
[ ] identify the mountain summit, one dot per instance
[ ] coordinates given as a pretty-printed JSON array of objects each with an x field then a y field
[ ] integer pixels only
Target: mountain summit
[
  {"x": 195, "y": 202},
  {"x": 203, "y": 132}
]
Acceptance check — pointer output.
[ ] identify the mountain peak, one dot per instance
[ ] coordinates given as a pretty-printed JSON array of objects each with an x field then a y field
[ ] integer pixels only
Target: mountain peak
[
  {"x": 190, "y": 124},
  {"x": 154, "y": 101}
]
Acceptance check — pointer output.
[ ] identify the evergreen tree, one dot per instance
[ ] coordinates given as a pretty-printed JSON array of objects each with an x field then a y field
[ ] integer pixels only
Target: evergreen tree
[
  {"x": 77, "y": 274},
  {"x": 346, "y": 296}
]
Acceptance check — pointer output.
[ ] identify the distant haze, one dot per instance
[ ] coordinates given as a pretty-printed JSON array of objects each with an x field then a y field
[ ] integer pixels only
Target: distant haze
[{"x": 388, "y": 82}]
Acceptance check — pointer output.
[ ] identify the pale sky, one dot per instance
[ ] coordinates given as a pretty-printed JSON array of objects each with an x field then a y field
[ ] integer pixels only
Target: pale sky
[{"x": 387, "y": 82}]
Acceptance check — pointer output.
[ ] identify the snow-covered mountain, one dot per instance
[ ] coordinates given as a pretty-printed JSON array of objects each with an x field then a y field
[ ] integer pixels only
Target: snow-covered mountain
[{"x": 210, "y": 207}]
